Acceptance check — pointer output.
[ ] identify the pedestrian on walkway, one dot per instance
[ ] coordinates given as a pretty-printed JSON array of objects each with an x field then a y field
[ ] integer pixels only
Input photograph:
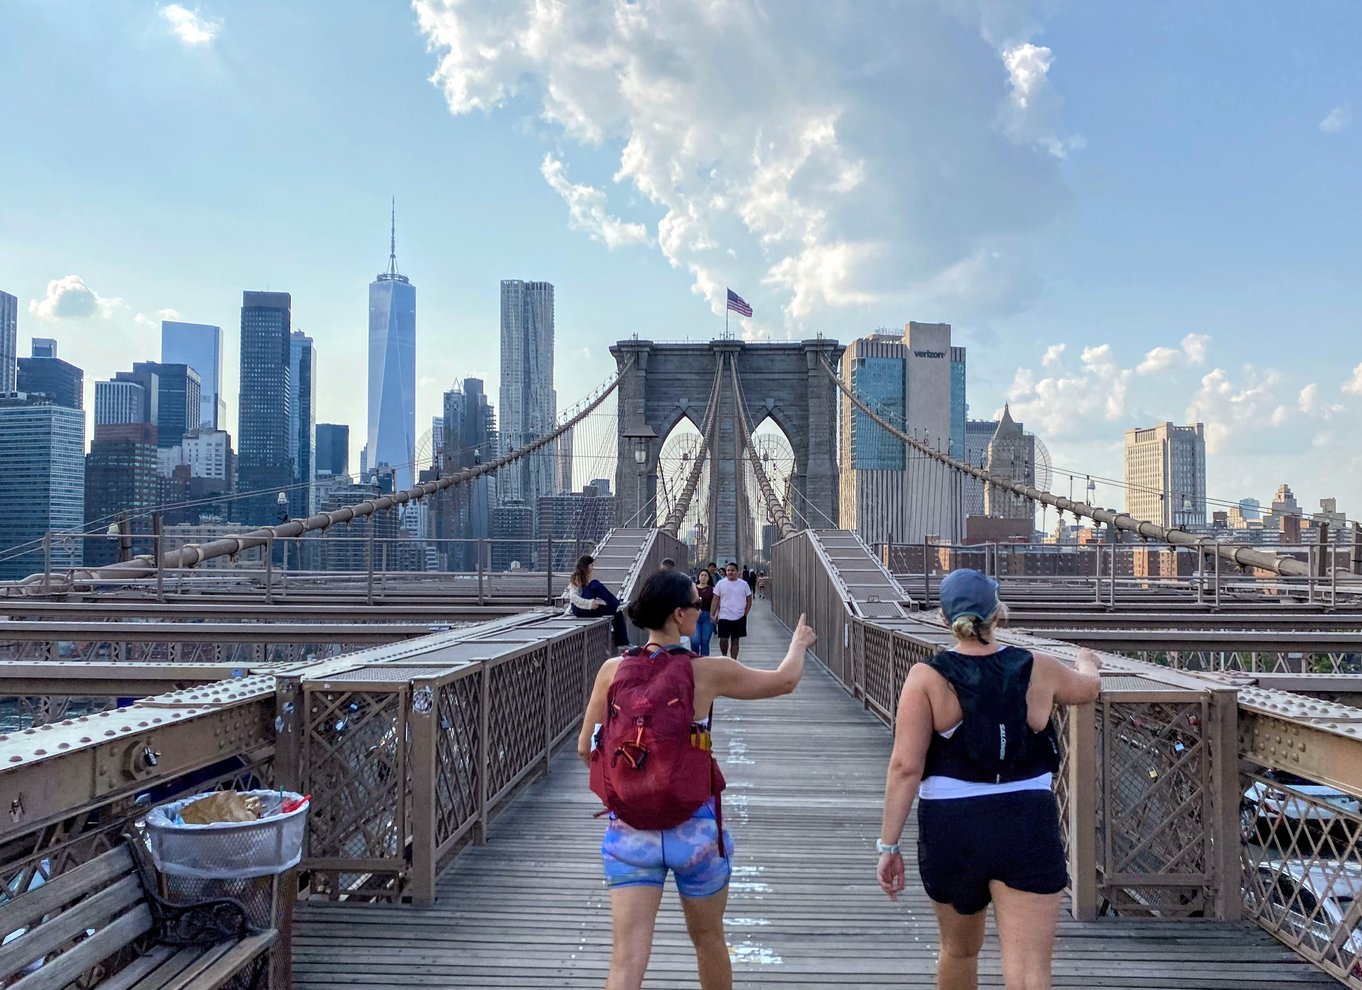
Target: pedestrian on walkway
[
  {"x": 590, "y": 599},
  {"x": 704, "y": 622},
  {"x": 697, "y": 848},
  {"x": 732, "y": 602},
  {"x": 974, "y": 742}
]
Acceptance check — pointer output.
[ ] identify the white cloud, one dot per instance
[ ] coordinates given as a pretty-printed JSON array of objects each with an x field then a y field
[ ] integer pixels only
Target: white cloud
[
  {"x": 1158, "y": 359},
  {"x": 1032, "y": 109},
  {"x": 155, "y": 321},
  {"x": 1338, "y": 118},
  {"x": 1194, "y": 346},
  {"x": 69, "y": 298},
  {"x": 1053, "y": 354},
  {"x": 1354, "y": 383},
  {"x": 190, "y": 26},
  {"x": 1067, "y": 403},
  {"x": 586, "y": 209},
  {"x": 770, "y": 156},
  {"x": 1234, "y": 412}
]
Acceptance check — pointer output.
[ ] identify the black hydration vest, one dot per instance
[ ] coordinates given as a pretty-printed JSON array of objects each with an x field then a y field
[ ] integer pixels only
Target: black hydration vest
[{"x": 993, "y": 744}]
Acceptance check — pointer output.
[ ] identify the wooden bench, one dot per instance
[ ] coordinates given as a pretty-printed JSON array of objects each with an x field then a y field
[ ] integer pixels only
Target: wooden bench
[{"x": 90, "y": 915}]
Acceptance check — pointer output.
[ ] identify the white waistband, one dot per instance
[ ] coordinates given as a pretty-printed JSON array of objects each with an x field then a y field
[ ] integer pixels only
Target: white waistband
[{"x": 949, "y": 788}]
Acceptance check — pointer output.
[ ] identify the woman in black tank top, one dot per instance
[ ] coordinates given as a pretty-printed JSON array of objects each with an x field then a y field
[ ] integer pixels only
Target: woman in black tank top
[{"x": 975, "y": 746}]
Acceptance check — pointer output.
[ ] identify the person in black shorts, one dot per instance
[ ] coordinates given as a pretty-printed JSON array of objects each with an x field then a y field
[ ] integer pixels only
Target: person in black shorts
[
  {"x": 732, "y": 602},
  {"x": 975, "y": 744}
]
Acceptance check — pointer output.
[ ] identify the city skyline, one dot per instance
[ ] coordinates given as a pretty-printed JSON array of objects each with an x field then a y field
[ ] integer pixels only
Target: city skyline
[{"x": 1092, "y": 250}]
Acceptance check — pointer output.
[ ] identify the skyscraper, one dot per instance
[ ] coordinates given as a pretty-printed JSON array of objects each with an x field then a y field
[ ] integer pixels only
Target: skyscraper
[
  {"x": 302, "y": 422},
  {"x": 528, "y": 407},
  {"x": 1165, "y": 468},
  {"x": 175, "y": 398},
  {"x": 264, "y": 408},
  {"x": 120, "y": 476},
  {"x": 199, "y": 345},
  {"x": 333, "y": 449},
  {"x": 118, "y": 402},
  {"x": 916, "y": 380},
  {"x": 9, "y": 342},
  {"x": 392, "y": 370},
  {"x": 469, "y": 439},
  {"x": 43, "y": 347},
  {"x": 42, "y": 483},
  {"x": 64, "y": 382}
]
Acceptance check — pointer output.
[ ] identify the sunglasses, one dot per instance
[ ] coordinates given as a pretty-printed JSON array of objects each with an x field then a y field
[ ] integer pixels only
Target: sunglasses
[{"x": 697, "y": 605}]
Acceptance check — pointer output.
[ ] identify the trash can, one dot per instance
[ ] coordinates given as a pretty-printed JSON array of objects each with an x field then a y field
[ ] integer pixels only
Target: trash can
[{"x": 249, "y": 861}]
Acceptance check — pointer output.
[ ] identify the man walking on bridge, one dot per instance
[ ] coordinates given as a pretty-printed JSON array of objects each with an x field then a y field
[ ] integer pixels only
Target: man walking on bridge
[{"x": 732, "y": 602}]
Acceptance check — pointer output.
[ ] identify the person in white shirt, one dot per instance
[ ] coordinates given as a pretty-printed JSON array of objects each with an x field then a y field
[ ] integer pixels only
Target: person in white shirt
[{"x": 732, "y": 602}]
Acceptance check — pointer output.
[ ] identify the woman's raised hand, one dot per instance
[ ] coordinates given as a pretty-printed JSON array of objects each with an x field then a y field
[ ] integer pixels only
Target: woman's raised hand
[{"x": 804, "y": 636}]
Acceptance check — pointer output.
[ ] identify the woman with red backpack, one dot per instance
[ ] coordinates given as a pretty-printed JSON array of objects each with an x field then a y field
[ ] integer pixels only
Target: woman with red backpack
[
  {"x": 974, "y": 743},
  {"x": 646, "y": 739}
]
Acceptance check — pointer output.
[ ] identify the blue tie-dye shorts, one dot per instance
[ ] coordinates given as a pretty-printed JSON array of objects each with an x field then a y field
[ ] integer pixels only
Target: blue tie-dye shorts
[{"x": 637, "y": 858}]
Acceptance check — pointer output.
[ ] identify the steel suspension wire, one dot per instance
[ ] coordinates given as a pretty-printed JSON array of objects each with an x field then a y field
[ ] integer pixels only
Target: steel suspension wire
[
  {"x": 1235, "y": 553},
  {"x": 193, "y": 554},
  {"x": 782, "y": 519},
  {"x": 672, "y": 525}
]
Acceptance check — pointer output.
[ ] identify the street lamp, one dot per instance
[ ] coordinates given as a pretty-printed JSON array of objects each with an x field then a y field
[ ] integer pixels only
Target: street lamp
[{"x": 642, "y": 435}]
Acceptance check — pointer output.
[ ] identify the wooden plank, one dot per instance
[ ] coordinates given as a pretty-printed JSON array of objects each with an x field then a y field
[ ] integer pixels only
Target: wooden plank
[
  {"x": 806, "y": 782},
  {"x": 70, "y": 964},
  {"x": 32, "y": 905},
  {"x": 214, "y": 969},
  {"x": 90, "y": 913}
]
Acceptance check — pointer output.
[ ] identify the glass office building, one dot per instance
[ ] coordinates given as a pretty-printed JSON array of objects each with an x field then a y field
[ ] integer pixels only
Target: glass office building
[
  {"x": 264, "y": 409},
  {"x": 42, "y": 483},
  {"x": 391, "y": 437},
  {"x": 302, "y": 422},
  {"x": 199, "y": 345}
]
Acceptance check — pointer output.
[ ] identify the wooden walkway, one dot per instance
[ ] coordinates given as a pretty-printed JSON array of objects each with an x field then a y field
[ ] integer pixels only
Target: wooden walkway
[{"x": 806, "y": 777}]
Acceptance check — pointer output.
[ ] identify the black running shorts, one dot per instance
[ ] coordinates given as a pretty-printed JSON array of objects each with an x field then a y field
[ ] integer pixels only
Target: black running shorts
[
  {"x": 963, "y": 843},
  {"x": 732, "y": 628}
]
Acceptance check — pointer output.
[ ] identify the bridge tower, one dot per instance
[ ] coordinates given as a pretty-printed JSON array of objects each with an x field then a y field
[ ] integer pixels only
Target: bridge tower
[{"x": 661, "y": 383}]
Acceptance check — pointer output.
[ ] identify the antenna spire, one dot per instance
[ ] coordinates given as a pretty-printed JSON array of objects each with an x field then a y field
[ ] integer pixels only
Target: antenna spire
[{"x": 392, "y": 243}]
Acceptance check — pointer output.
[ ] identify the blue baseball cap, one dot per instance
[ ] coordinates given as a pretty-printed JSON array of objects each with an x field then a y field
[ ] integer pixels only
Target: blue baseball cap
[{"x": 968, "y": 592}]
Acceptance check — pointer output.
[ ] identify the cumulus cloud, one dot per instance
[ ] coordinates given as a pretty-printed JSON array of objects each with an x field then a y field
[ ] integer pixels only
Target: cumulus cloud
[
  {"x": 1067, "y": 402},
  {"x": 834, "y": 159},
  {"x": 587, "y": 211},
  {"x": 1338, "y": 118},
  {"x": 190, "y": 26},
  {"x": 1192, "y": 351},
  {"x": 1233, "y": 409},
  {"x": 69, "y": 298},
  {"x": 1032, "y": 110},
  {"x": 1053, "y": 355},
  {"x": 1353, "y": 385}
]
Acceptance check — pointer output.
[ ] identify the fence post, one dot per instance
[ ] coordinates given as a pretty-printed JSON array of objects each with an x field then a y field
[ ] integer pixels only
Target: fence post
[
  {"x": 1224, "y": 837},
  {"x": 47, "y": 562},
  {"x": 548, "y": 570},
  {"x": 1081, "y": 743},
  {"x": 484, "y": 754},
  {"x": 481, "y": 542},
  {"x": 423, "y": 722},
  {"x": 157, "y": 529},
  {"x": 548, "y": 705},
  {"x": 269, "y": 569},
  {"x": 926, "y": 576}
]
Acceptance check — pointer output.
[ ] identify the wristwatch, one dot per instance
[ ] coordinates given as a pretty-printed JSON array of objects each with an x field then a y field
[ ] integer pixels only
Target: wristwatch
[{"x": 883, "y": 848}]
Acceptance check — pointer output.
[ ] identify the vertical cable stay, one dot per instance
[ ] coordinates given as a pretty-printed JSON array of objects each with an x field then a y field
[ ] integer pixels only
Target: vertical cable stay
[
  {"x": 672, "y": 525},
  {"x": 1238, "y": 554},
  {"x": 782, "y": 519}
]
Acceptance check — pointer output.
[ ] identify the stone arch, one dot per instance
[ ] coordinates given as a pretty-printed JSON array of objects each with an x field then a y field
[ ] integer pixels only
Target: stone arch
[{"x": 662, "y": 382}]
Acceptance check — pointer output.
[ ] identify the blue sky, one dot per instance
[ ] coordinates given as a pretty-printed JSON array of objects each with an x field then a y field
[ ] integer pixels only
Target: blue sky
[{"x": 1129, "y": 213}]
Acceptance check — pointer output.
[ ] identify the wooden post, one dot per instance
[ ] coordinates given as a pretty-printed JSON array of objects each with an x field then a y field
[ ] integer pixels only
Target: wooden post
[
  {"x": 424, "y": 768},
  {"x": 1081, "y": 742},
  {"x": 1226, "y": 899}
]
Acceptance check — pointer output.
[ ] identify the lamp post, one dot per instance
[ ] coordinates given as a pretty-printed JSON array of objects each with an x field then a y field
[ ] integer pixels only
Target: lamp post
[{"x": 642, "y": 435}]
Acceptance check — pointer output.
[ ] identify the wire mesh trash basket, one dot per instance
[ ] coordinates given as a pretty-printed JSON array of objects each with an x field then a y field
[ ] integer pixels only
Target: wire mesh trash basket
[{"x": 229, "y": 850}]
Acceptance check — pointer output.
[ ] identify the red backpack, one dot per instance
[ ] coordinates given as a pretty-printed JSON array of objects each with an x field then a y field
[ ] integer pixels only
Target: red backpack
[{"x": 650, "y": 768}]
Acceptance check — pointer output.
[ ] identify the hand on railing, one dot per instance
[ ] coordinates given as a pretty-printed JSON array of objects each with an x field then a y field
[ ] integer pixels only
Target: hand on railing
[{"x": 1088, "y": 662}]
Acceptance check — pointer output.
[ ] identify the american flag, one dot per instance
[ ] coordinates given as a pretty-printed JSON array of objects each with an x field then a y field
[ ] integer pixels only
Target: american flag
[{"x": 738, "y": 304}]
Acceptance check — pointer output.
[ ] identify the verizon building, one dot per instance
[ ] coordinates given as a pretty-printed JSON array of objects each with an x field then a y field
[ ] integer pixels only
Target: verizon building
[{"x": 888, "y": 492}]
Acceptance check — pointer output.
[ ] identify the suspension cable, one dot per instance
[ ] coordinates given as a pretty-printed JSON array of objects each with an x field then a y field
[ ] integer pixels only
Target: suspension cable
[
  {"x": 672, "y": 525},
  {"x": 193, "y": 554},
  {"x": 782, "y": 519},
  {"x": 1239, "y": 554}
]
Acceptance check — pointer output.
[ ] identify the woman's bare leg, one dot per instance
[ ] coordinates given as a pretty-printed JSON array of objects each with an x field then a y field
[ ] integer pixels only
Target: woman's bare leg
[
  {"x": 633, "y": 912},
  {"x": 705, "y": 923},
  {"x": 962, "y": 936},
  {"x": 1026, "y": 930}
]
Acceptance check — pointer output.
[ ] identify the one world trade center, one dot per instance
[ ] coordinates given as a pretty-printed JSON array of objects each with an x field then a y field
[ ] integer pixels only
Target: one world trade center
[{"x": 391, "y": 445}]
